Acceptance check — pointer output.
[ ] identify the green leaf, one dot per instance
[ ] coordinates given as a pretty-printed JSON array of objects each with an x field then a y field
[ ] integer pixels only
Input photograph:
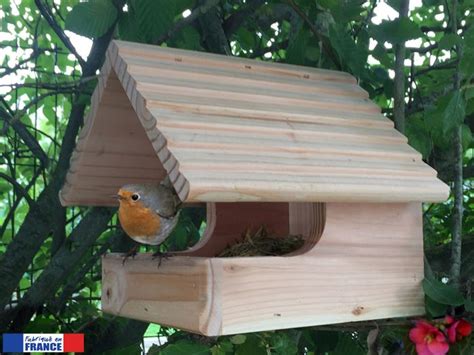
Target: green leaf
[
  {"x": 347, "y": 344},
  {"x": 455, "y": 111},
  {"x": 128, "y": 27},
  {"x": 154, "y": 17},
  {"x": 442, "y": 293},
  {"x": 449, "y": 40},
  {"x": 185, "y": 347},
  {"x": 246, "y": 38},
  {"x": 466, "y": 136},
  {"x": 380, "y": 53},
  {"x": 134, "y": 349},
  {"x": 238, "y": 339},
  {"x": 469, "y": 305},
  {"x": 351, "y": 55},
  {"x": 189, "y": 38},
  {"x": 466, "y": 64},
  {"x": 397, "y": 31},
  {"x": 41, "y": 324},
  {"x": 296, "y": 52},
  {"x": 282, "y": 343},
  {"x": 343, "y": 11},
  {"x": 419, "y": 136},
  {"x": 91, "y": 19},
  {"x": 252, "y": 346},
  {"x": 448, "y": 115},
  {"x": 435, "y": 309}
]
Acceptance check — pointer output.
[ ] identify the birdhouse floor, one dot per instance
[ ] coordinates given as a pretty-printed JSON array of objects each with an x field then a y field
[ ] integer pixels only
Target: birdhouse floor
[{"x": 360, "y": 261}]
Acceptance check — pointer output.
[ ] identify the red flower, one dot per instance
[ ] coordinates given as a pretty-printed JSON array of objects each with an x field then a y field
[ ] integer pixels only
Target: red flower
[
  {"x": 458, "y": 330},
  {"x": 428, "y": 339}
]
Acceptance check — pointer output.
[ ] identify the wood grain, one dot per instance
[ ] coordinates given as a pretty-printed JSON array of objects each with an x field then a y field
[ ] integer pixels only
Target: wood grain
[
  {"x": 367, "y": 264},
  {"x": 227, "y": 129}
]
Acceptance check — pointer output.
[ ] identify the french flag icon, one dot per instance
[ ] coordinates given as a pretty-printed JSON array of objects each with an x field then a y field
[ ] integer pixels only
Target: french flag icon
[{"x": 43, "y": 342}]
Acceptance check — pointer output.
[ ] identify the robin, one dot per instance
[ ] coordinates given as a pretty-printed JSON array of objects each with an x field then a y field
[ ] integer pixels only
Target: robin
[{"x": 148, "y": 213}]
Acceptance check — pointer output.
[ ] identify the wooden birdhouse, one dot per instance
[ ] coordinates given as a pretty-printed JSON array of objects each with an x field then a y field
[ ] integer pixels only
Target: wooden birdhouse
[{"x": 300, "y": 150}]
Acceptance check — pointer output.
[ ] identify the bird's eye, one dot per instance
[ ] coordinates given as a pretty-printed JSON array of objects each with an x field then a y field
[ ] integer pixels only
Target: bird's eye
[{"x": 135, "y": 197}]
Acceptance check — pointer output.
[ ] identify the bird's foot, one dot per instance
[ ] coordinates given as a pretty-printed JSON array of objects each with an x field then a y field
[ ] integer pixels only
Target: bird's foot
[
  {"x": 131, "y": 253},
  {"x": 160, "y": 255}
]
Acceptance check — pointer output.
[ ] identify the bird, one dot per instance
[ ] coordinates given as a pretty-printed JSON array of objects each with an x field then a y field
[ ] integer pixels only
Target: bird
[{"x": 148, "y": 213}]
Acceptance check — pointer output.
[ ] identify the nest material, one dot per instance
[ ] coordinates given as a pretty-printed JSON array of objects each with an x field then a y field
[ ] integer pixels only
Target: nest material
[{"x": 261, "y": 244}]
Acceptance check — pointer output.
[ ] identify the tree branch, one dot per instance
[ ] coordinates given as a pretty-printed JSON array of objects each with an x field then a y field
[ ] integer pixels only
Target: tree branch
[
  {"x": 49, "y": 17},
  {"x": 72, "y": 284},
  {"x": 61, "y": 265},
  {"x": 19, "y": 114},
  {"x": 441, "y": 66},
  {"x": 34, "y": 55},
  {"x": 399, "y": 81},
  {"x": 11, "y": 211},
  {"x": 321, "y": 38},
  {"x": 234, "y": 21},
  {"x": 213, "y": 36},
  {"x": 179, "y": 25},
  {"x": 25, "y": 135},
  {"x": 18, "y": 188},
  {"x": 456, "y": 243},
  {"x": 38, "y": 222}
]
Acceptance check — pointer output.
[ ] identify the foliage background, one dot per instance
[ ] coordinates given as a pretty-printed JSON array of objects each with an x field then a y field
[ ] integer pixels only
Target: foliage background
[{"x": 49, "y": 255}]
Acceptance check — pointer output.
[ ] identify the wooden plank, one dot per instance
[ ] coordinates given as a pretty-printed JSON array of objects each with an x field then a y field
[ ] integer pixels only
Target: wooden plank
[
  {"x": 287, "y": 161},
  {"x": 178, "y": 139},
  {"x": 183, "y": 303},
  {"x": 219, "y": 61},
  {"x": 338, "y": 280},
  {"x": 354, "y": 179},
  {"x": 336, "y": 108},
  {"x": 139, "y": 68},
  {"x": 258, "y": 96},
  {"x": 220, "y": 189},
  {"x": 191, "y": 120},
  {"x": 293, "y": 170},
  {"x": 283, "y": 138},
  {"x": 269, "y": 112}
]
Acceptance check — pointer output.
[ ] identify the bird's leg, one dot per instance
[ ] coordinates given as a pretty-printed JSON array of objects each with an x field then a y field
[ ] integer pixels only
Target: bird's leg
[
  {"x": 131, "y": 253},
  {"x": 160, "y": 255}
]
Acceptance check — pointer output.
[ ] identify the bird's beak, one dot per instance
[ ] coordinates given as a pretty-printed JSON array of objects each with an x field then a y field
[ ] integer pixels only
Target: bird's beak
[{"x": 117, "y": 196}]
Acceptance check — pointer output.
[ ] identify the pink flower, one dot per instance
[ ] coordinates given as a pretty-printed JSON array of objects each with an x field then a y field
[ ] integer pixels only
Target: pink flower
[
  {"x": 428, "y": 339},
  {"x": 458, "y": 330}
]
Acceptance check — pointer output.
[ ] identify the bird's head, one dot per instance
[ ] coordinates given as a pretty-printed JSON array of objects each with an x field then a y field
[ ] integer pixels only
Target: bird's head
[
  {"x": 131, "y": 195},
  {"x": 141, "y": 194}
]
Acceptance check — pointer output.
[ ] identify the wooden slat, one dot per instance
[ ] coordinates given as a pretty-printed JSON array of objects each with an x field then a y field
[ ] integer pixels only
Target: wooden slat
[
  {"x": 292, "y": 170},
  {"x": 188, "y": 140},
  {"x": 258, "y": 96},
  {"x": 268, "y": 112},
  {"x": 208, "y": 188},
  {"x": 275, "y": 108},
  {"x": 209, "y": 157},
  {"x": 280, "y": 137},
  {"x": 181, "y": 72},
  {"x": 192, "y": 120},
  {"x": 228, "y": 62}
]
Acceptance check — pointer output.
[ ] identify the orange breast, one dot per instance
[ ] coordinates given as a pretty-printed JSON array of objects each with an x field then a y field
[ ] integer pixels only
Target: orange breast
[{"x": 138, "y": 220}]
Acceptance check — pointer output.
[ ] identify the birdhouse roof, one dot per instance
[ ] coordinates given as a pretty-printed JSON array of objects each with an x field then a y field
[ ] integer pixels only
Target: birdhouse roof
[{"x": 227, "y": 129}]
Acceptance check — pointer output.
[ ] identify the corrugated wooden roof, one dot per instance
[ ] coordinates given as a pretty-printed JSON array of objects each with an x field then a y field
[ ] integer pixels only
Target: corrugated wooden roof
[{"x": 231, "y": 129}]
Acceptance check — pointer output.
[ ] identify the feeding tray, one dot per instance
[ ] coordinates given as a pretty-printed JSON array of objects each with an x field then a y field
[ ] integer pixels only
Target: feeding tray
[{"x": 299, "y": 150}]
